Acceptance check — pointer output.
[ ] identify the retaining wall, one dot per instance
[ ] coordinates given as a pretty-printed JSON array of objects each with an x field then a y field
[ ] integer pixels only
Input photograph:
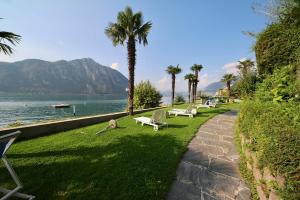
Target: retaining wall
[
  {"x": 42, "y": 129},
  {"x": 264, "y": 178}
]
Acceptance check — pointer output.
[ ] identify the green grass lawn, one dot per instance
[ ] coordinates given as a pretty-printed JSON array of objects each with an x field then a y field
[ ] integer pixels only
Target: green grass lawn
[{"x": 131, "y": 162}]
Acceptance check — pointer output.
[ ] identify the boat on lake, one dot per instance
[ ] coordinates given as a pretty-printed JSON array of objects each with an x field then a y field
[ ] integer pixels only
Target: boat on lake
[{"x": 61, "y": 105}]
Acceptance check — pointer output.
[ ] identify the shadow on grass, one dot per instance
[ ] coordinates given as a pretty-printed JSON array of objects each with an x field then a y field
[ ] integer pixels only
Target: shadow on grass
[{"x": 132, "y": 167}]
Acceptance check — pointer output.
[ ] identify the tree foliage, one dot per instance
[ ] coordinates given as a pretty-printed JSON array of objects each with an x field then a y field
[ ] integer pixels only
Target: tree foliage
[
  {"x": 146, "y": 95},
  {"x": 173, "y": 71},
  {"x": 6, "y": 40},
  {"x": 129, "y": 28},
  {"x": 276, "y": 47},
  {"x": 179, "y": 99}
]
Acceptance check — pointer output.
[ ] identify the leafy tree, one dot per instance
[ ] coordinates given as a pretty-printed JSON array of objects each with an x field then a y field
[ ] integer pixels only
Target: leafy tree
[
  {"x": 228, "y": 79},
  {"x": 179, "y": 99},
  {"x": 129, "y": 28},
  {"x": 173, "y": 71},
  {"x": 246, "y": 84},
  {"x": 245, "y": 66},
  {"x": 189, "y": 78},
  {"x": 196, "y": 68},
  {"x": 7, "y": 39},
  {"x": 275, "y": 47},
  {"x": 146, "y": 95}
]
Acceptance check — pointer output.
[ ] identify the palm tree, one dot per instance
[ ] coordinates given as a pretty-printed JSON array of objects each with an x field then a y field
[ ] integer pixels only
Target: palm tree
[
  {"x": 228, "y": 79},
  {"x": 245, "y": 66},
  {"x": 194, "y": 90},
  {"x": 6, "y": 39},
  {"x": 129, "y": 28},
  {"x": 173, "y": 71},
  {"x": 190, "y": 78},
  {"x": 196, "y": 68}
]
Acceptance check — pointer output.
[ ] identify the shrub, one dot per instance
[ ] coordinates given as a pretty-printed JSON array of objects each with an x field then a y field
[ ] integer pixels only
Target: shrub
[
  {"x": 179, "y": 99},
  {"x": 245, "y": 86},
  {"x": 281, "y": 86},
  {"x": 146, "y": 95},
  {"x": 274, "y": 133},
  {"x": 276, "y": 47}
]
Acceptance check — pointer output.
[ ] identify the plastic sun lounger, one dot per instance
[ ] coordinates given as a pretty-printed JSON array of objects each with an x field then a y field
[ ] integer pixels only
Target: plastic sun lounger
[
  {"x": 207, "y": 104},
  {"x": 5, "y": 142},
  {"x": 157, "y": 120},
  {"x": 185, "y": 112}
]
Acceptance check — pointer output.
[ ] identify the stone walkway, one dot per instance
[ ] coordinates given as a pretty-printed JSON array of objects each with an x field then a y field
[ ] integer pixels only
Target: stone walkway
[{"x": 209, "y": 169}]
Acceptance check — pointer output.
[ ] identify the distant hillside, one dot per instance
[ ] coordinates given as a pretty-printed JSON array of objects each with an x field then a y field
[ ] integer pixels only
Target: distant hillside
[
  {"x": 81, "y": 76},
  {"x": 214, "y": 87}
]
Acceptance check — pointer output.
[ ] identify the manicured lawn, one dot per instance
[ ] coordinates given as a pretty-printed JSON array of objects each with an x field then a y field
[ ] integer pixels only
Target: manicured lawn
[{"x": 131, "y": 162}]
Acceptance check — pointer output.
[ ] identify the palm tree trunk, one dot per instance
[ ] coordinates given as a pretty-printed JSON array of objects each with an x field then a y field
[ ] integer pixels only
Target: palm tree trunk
[
  {"x": 189, "y": 89},
  {"x": 229, "y": 92},
  {"x": 173, "y": 88},
  {"x": 131, "y": 64},
  {"x": 196, "y": 84},
  {"x": 193, "y": 92}
]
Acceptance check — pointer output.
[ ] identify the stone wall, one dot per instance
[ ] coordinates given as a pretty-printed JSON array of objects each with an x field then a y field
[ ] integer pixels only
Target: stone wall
[
  {"x": 265, "y": 180},
  {"x": 42, "y": 129}
]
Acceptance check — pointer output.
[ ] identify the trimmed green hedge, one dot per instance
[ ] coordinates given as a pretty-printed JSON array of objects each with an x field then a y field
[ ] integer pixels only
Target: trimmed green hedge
[{"x": 274, "y": 133}]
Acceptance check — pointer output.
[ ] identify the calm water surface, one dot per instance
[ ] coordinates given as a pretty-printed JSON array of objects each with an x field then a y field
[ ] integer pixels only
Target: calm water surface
[{"x": 29, "y": 108}]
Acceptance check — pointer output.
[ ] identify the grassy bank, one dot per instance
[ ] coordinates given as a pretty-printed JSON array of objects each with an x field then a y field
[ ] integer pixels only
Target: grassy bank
[{"x": 131, "y": 162}]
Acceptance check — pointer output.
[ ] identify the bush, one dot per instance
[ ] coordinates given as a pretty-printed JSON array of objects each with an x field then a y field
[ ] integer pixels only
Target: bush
[
  {"x": 274, "y": 133},
  {"x": 245, "y": 86},
  {"x": 276, "y": 47},
  {"x": 146, "y": 95},
  {"x": 281, "y": 86},
  {"x": 179, "y": 99}
]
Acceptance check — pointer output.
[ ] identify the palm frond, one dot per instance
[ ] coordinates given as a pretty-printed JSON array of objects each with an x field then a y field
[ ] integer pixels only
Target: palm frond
[
  {"x": 8, "y": 37},
  {"x": 116, "y": 33},
  {"x": 6, "y": 49}
]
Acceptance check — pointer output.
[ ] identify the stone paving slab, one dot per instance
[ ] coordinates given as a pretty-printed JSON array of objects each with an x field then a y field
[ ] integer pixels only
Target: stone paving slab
[{"x": 209, "y": 169}]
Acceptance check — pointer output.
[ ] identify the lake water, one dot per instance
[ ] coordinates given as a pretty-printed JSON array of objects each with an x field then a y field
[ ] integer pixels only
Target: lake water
[{"x": 29, "y": 108}]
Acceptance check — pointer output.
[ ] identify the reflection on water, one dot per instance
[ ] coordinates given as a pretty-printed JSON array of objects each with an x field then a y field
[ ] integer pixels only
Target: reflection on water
[{"x": 27, "y": 108}]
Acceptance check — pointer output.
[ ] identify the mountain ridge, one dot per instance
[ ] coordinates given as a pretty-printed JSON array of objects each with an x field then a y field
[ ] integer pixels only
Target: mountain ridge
[{"x": 78, "y": 76}]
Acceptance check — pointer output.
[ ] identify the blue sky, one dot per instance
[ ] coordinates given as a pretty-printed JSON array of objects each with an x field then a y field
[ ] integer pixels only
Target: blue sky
[{"x": 184, "y": 32}]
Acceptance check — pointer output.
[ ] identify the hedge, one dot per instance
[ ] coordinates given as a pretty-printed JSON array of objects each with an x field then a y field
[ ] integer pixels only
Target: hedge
[{"x": 274, "y": 134}]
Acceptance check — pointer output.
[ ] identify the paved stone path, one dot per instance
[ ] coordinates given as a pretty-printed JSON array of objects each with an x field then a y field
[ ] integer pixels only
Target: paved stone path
[{"x": 209, "y": 169}]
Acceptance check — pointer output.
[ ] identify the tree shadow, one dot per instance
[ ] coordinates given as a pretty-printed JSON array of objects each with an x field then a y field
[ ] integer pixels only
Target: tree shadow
[{"x": 132, "y": 167}]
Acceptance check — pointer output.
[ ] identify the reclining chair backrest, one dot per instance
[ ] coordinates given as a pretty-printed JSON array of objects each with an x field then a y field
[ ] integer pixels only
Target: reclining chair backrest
[
  {"x": 191, "y": 110},
  {"x": 159, "y": 116},
  {"x": 6, "y": 141}
]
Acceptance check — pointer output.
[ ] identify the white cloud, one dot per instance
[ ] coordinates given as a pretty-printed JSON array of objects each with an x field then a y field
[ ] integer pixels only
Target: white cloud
[
  {"x": 115, "y": 66},
  {"x": 165, "y": 84},
  {"x": 232, "y": 67},
  {"x": 203, "y": 80}
]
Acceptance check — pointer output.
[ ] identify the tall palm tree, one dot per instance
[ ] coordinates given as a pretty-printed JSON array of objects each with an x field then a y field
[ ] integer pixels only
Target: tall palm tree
[
  {"x": 129, "y": 28},
  {"x": 245, "y": 66},
  {"x": 189, "y": 78},
  {"x": 7, "y": 39},
  {"x": 196, "y": 68},
  {"x": 173, "y": 71},
  {"x": 194, "y": 90},
  {"x": 228, "y": 79}
]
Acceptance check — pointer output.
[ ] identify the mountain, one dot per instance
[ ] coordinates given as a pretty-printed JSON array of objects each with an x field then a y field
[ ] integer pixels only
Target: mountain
[
  {"x": 214, "y": 87},
  {"x": 80, "y": 76}
]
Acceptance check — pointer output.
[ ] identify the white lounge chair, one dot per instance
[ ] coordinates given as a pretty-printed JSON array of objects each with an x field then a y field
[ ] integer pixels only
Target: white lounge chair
[
  {"x": 190, "y": 111},
  {"x": 5, "y": 142},
  {"x": 207, "y": 104},
  {"x": 158, "y": 119}
]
